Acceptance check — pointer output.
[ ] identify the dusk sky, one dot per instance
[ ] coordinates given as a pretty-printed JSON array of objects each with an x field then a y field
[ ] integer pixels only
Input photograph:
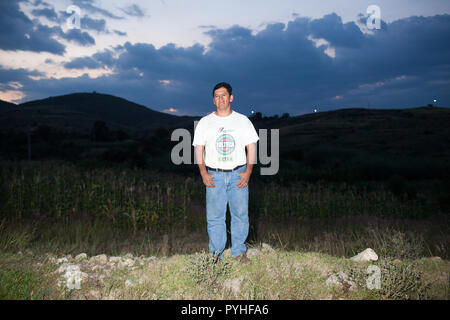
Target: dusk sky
[{"x": 280, "y": 56}]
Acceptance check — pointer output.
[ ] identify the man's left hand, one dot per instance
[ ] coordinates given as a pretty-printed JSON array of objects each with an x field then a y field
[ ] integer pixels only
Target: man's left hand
[{"x": 245, "y": 177}]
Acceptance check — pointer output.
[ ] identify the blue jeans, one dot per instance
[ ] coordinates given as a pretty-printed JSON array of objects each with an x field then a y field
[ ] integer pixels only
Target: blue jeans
[{"x": 226, "y": 192}]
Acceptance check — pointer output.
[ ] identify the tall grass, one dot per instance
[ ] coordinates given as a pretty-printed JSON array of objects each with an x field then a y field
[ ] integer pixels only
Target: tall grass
[
  {"x": 127, "y": 199},
  {"x": 148, "y": 202}
]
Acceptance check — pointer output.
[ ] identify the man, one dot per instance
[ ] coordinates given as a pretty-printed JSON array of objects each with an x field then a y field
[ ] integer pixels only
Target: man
[{"x": 223, "y": 135}]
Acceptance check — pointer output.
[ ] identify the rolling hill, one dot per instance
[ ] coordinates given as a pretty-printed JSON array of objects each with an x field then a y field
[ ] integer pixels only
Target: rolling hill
[
  {"x": 422, "y": 131},
  {"x": 411, "y": 132},
  {"x": 78, "y": 112}
]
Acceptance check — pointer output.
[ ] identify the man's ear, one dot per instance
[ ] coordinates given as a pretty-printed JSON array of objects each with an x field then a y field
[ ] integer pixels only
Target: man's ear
[{"x": 231, "y": 98}]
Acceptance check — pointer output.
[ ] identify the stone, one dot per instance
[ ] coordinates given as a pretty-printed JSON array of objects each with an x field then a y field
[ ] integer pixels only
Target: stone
[
  {"x": 252, "y": 252},
  {"x": 81, "y": 256},
  {"x": 234, "y": 285},
  {"x": 72, "y": 276},
  {"x": 266, "y": 247},
  {"x": 100, "y": 259},
  {"x": 366, "y": 255},
  {"x": 129, "y": 256},
  {"x": 125, "y": 263},
  {"x": 62, "y": 260},
  {"x": 340, "y": 279},
  {"x": 95, "y": 294},
  {"x": 115, "y": 259},
  {"x": 129, "y": 283}
]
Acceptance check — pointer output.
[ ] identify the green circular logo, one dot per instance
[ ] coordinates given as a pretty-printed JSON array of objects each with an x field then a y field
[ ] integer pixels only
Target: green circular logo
[{"x": 225, "y": 144}]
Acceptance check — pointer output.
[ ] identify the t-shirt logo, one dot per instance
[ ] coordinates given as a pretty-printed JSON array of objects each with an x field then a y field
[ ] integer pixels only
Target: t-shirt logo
[{"x": 225, "y": 144}]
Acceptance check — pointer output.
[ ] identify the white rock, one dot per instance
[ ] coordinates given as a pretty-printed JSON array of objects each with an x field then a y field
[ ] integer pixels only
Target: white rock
[
  {"x": 81, "y": 256},
  {"x": 72, "y": 276},
  {"x": 129, "y": 283},
  {"x": 266, "y": 247},
  {"x": 366, "y": 255},
  {"x": 125, "y": 263},
  {"x": 100, "y": 259},
  {"x": 62, "y": 260},
  {"x": 95, "y": 294},
  {"x": 252, "y": 252},
  {"x": 234, "y": 285},
  {"x": 340, "y": 279},
  {"x": 115, "y": 259}
]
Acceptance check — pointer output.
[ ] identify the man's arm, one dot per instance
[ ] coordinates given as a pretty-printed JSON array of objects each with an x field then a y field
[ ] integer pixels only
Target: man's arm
[
  {"x": 206, "y": 177},
  {"x": 251, "y": 156}
]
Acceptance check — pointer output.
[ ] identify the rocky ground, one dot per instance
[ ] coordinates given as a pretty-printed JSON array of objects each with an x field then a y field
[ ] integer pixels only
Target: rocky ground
[{"x": 273, "y": 274}]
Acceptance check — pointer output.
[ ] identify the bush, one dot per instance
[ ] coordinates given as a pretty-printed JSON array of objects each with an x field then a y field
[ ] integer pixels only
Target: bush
[
  {"x": 398, "y": 281},
  {"x": 205, "y": 270}
]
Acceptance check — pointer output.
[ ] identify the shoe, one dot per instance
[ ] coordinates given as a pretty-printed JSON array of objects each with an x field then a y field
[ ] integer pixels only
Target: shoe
[{"x": 243, "y": 259}]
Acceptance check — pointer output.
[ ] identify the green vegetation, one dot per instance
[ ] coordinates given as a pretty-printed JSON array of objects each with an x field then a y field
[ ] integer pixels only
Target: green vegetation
[{"x": 348, "y": 180}]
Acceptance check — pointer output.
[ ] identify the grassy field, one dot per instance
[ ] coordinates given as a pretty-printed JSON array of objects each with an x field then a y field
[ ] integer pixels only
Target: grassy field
[
  {"x": 273, "y": 274},
  {"x": 153, "y": 223}
]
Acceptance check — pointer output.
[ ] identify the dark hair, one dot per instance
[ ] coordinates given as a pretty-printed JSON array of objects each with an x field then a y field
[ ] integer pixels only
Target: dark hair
[{"x": 223, "y": 85}]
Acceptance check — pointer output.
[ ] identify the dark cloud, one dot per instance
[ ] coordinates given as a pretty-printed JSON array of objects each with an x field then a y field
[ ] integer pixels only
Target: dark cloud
[
  {"x": 80, "y": 37},
  {"x": 19, "y": 75},
  {"x": 83, "y": 62},
  {"x": 102, "y": 59},
  {"x": 279, "y": 69},
  {"x": 89, "y": 6},
  {"x": 93, "y": 24},
  {"x": 331, "y": 28},
  {"x": 18, "y": 32},
  {"x": 120, "y": 33},
  {"x": 48, "y": 13},
  {"x": 134, "y": 10}
]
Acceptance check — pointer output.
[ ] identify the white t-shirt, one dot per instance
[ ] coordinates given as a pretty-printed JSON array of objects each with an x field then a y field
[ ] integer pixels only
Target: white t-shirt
[{"x": 225, "y": 139}]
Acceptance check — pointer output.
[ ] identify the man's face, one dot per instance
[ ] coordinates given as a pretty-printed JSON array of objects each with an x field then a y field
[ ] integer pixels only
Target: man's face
[{"x": 222, "y": 98}]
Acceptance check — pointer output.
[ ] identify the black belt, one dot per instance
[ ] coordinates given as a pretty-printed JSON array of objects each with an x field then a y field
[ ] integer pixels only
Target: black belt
[{"x": 225, "y": 170}]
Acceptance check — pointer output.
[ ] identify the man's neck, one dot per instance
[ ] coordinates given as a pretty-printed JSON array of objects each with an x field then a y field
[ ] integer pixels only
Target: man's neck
[{"x": 223, "y": 113}]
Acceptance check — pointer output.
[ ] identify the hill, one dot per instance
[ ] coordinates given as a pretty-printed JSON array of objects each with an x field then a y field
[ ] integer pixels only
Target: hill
[
  {"x": 422, "y": 131},
  {"x": 4, "y": 105},
  {"x": 79, "y": 111}
]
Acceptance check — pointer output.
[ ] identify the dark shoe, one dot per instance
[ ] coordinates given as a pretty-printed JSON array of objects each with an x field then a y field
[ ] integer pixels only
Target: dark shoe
[{"x": 243, "y": 259}]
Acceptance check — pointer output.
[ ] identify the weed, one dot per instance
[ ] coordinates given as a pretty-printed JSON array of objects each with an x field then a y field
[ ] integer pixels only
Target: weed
[{"x": 205, "y": 270}]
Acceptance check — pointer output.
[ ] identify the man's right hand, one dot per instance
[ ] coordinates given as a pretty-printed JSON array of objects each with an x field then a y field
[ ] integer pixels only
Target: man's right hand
[{"x": 207, "y": 180}]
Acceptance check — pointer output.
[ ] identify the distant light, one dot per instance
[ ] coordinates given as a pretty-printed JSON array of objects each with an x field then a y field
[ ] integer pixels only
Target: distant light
[
  {"x": 315, "y": 110},
  {"x": 435, "y": 100},
  {"x": 253, "y": 112}
]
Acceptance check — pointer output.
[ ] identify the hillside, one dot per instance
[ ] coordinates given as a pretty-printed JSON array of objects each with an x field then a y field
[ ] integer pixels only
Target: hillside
[
  {"x": 422, "y": 131},
  {"x": 78, "y": 112},
  {"x": 4, "y": 105},
  {"x": 336, "y": 138}
]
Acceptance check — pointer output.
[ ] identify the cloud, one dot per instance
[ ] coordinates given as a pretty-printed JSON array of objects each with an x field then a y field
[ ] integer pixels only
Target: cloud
[
  {"x": 80, "y": 37},
  {"x": 120, "y": 33},
  {"x": 18, "y": 32},
  {"x": 102, "y": 59},
  {"x": 282, "y": 68},
  {"x": 134, "y": 10},
  {"x": 93, "y": 24},
  {"x": 89, "y": 6},
  {"x": 331, "y": 28},
  {"x": 48, "y": 13}
]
